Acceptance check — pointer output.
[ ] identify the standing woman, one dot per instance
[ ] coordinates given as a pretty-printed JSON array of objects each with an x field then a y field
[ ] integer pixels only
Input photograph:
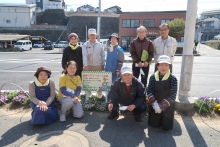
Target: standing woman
[
  {"x": 42, "y": 93},
  {"x": 69, "y": 92},
  {"x": 73, "y": 53},
  {"x": 115, "y": 57},
  {"x": 161, "y": 92}
]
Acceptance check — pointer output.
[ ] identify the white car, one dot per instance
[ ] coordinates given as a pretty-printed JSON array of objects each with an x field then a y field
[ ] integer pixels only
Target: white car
[
  {"x": 217, "y": 37},
  {"x": 38, "y": 45},
  {"x": 62, "y": 44},
  {"x": 24, "y": 45}
]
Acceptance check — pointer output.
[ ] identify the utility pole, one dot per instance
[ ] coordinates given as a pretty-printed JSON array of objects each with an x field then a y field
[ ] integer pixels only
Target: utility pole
[
  {"x": 86, "y": 33},
  {"x": 99, "y": 21},
  {"x": 187, "y": 57}
]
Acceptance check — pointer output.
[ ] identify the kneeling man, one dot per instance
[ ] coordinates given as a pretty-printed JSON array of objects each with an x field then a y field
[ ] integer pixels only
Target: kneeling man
[{"x": 129, "y": 92}]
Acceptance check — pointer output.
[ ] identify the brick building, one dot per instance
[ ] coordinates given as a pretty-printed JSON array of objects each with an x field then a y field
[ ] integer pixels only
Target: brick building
[{"x": 129, "y": 21}]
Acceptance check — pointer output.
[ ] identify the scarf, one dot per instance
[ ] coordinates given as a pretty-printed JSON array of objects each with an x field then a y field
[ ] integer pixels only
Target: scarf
[
  {"x": 112, "y": 47},
  {"x": 165, "y": 77},
  {"x": 73, "y": 47},
  {"x": 39, "y": 84}
]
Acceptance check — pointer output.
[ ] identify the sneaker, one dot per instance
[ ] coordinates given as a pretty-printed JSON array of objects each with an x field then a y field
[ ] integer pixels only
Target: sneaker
[
  {"x": 62, "y": 117},
  {"x": 113, "y": 115},
  {"x": 138, "y": 118}
]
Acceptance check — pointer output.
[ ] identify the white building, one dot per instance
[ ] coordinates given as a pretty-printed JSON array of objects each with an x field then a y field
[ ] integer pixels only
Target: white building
[
  {"x": 208, "y": 25},
  {"x": 43, "y": 5},
  {"x": 114, "y": 9},
  {"x": 17, "y": 15}
]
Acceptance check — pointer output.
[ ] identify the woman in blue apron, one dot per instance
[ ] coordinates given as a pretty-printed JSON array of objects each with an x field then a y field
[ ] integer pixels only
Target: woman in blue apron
[
  {"x": 42, "y": 93},
  {"x": 161, "y": 92}
]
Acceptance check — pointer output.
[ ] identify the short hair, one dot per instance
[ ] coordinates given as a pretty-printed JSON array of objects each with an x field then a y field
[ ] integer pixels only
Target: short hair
[
  {"x": 69, "y": 63},
  {"x": 164, "y": 24},
  {"x": 141, "y": 27}
]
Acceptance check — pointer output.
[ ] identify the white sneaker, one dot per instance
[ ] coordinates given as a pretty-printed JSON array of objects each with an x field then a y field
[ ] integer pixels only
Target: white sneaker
[{"x": 62, "y": 117}]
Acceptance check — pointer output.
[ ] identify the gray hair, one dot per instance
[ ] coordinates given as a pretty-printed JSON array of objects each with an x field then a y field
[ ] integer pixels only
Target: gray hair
[
  {"x": 141, "y": 27},
  {"x": 164, "y": 24}
]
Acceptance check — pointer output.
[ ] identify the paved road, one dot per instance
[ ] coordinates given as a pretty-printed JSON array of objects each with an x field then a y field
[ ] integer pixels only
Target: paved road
[
  {"x": 19, "y": 68},
  {"x": 15, "y": 127}
]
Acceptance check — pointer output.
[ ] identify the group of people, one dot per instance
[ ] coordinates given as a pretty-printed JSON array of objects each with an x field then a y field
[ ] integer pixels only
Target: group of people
[{"x": 126, "y": 90}]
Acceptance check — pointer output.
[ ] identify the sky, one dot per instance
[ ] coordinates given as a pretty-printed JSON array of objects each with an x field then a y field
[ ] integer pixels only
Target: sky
[{"x": 139, "y": 5}]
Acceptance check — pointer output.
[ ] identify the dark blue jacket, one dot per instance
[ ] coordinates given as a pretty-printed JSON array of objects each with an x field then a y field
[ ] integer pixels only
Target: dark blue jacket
[{"x": 137, "y": 93}]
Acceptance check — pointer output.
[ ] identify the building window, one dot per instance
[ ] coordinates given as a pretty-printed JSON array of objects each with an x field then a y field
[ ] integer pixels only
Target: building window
[
  {"x": 130, "y": 23},
  {"x": 125, "y": 42},
  {"x": 33, "y": 13},
  {"x": 208, "y": 24},
  {"x": 165, "y": 20},
  {"x": 149, "y": 22},
  {"x": 8, "y": 21},
  {"x": 38, "y": 1}
]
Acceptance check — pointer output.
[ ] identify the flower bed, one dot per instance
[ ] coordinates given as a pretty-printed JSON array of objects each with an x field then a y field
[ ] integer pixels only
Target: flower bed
[
  {"x": 98, "y": 103},
  {"x": 22, "y": 97},
  {"x": 207, "y": 105}
]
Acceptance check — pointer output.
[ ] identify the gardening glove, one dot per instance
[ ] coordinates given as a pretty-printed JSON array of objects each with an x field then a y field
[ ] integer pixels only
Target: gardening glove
[
  {"x": 151, "y": 98},
  {"x": 156, "y": 107},
  {"x": 164, "y": 104}
]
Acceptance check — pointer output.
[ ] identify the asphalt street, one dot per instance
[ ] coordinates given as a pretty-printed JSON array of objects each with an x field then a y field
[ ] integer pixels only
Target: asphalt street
[
  {"x": 16, "y": 130},
  {"x": 19, "y": 68}
]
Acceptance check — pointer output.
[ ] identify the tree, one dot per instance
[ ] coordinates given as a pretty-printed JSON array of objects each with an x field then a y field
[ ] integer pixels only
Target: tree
[{"x": 177, "y": 27}]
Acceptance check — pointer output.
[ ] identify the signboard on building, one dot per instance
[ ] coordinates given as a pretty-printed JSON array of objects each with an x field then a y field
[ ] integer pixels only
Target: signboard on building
[{"x": 96, "y": 80}]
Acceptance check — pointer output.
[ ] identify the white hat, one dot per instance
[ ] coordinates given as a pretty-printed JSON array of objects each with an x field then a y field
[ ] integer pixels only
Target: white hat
[
  {"x": 164, "y": 59},
  {"x": 126, "y": 69},
  {"x": 92, "y": 31}
]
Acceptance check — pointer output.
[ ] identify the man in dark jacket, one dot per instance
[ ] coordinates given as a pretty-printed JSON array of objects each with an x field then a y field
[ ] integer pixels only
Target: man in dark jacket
[
  {"x": 137, "y": 46},
  {"x": 129, "y": 93}
]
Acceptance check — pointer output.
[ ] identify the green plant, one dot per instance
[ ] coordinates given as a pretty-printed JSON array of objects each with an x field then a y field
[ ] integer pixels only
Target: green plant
[
  {"x": 93, "y": 102},
  {"x": 27, "y": 101},
  {"x": 12, "y": 95}
]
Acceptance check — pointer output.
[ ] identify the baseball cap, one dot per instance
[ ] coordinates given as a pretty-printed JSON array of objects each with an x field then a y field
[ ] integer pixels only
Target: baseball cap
[
  {"x": 164, "y": 59},
  {"x": 92, "y": 31},
  {"x": 126, "y": 69}
]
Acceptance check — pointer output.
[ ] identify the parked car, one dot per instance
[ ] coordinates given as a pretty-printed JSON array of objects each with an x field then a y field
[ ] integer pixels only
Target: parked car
[
  {"x": 62, "y": 44},
  {"x": 104, "y": 42},
  {"x": 48, "y": 45},
  {"x": 55, "y": 45},
  {"x": 204, "y": 42},
  {"x": 217, "y": 37},
  {"x": 24, "y": 45},
  {"x": 38, "y": 45},
  {"x": 80, "y": 43}
]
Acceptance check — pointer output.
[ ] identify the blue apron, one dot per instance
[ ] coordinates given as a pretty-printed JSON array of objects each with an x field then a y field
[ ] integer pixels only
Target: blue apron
[
  {"x": 41, "y": 117},
  {"x": 112, "y": 62}
]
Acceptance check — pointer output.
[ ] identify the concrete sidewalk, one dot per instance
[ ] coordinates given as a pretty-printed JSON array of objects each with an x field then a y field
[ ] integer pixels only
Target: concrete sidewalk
[{"x": 95, "y": 130}]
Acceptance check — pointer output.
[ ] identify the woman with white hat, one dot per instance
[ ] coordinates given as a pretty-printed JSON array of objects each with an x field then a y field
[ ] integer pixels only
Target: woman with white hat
[{"x": 161, "y": 92}]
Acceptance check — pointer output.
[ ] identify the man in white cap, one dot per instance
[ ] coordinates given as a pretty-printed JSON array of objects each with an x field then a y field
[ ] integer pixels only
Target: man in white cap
[
  {"x": 93, "y": 53},
  {"x": 128, "y": 92},
  {"x": 161, "y": 91}
]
